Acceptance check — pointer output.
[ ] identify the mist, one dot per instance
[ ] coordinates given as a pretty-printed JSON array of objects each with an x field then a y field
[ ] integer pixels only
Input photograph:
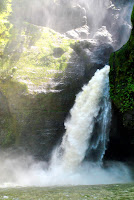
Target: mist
[
  {"x": 93, "y": 15},
  {"x": 67, "y": 165},
  {"x": 23, "y": 170},
  {"x": 106, "y": 22}
]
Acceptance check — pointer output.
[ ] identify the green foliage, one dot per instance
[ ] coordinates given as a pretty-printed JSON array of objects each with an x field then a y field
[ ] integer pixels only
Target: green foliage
[
  {"x": 2, "y": 5},
  {"x": 7, "y": 136},
  {"x": 132, "y": 16},
  {"x": 5, "y": 25},
  {"x": 122, "y": 75},
  {"x": 122, "y": 79}
]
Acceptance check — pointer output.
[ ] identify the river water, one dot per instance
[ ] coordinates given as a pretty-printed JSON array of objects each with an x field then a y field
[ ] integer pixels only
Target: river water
[{"x": 100, "y": 192}]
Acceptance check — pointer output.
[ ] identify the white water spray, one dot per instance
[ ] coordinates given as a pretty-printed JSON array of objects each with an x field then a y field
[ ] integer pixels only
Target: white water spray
[
  {"x": 93, "y": 98},
  {"x": 91, "y": 109},
  {"x": 92, "y": 106}
]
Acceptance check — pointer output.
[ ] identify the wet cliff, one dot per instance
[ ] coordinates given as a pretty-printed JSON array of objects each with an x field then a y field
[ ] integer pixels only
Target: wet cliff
[
  {"x": 41, "y": 72},
  {"x": 48, "y": 51},
  {"x": 122, "y": 95}
]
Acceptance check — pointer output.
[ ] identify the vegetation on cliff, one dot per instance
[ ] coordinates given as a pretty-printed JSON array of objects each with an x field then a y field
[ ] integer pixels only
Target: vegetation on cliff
[
  {"x": 122, "y": 79},
  {"x": 31, "y": 59},
  {"x": 5, "y": 25}
]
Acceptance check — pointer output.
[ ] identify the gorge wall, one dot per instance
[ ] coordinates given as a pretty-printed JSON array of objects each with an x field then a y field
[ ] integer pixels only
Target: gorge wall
[
  {"x": 122, "y": 94},
  {"x": 48, "y": 51}
]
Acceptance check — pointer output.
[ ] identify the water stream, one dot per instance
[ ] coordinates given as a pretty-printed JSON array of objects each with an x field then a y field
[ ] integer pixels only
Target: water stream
[
  {"x": 92, "y": 107},
  {"x": 78, "y": 159}
]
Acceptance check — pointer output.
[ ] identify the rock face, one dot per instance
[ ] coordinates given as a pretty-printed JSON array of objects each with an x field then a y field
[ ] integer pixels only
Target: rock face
[
  {"x": 122, "y": 80},
  {"x": 43, "y": 68},
  {"x": 39, "y": 86},
  {"x": 61, "y": 16},
  {"x": 122, "y": 91}
]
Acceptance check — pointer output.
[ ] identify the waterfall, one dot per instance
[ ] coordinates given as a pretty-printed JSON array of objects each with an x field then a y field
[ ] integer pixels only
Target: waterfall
[
  {"x": 91, "y": 106},
  {"x": 77, "y": 160},
  {"x": 86, "y": 135}
]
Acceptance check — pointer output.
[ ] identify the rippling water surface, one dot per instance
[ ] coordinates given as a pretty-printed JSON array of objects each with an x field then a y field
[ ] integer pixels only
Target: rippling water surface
[{"x": 99, "y": 192}]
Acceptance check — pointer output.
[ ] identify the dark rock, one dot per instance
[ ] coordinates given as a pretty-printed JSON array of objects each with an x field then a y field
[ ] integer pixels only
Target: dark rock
[
  {"x": 121, "y": 145},
  {"x": 38, "y": 115},
  {"x": 121, "y": 141},
  {"x": 58, "y": 52},
  {"x": 79, "y": 33}
]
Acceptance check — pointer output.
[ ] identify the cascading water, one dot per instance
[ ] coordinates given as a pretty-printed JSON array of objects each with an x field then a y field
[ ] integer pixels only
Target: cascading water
[
  {"x": 98, "y": 142},
  {"x": 86, "y": 134},
  {"x": 92, "y": 105},
  {"x": 75, "y": 161}
]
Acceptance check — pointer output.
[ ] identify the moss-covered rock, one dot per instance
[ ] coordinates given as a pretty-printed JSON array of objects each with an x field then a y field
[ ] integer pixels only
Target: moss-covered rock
[
  {"x": 5, "y": 25},
  {"x": 30, "y": 53},
  {"x": 30, "y": 71},
  {"x": 41, "y": 71},
  {"x": 33, "y": 100},
  {"x": 122, "y": 80}
]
